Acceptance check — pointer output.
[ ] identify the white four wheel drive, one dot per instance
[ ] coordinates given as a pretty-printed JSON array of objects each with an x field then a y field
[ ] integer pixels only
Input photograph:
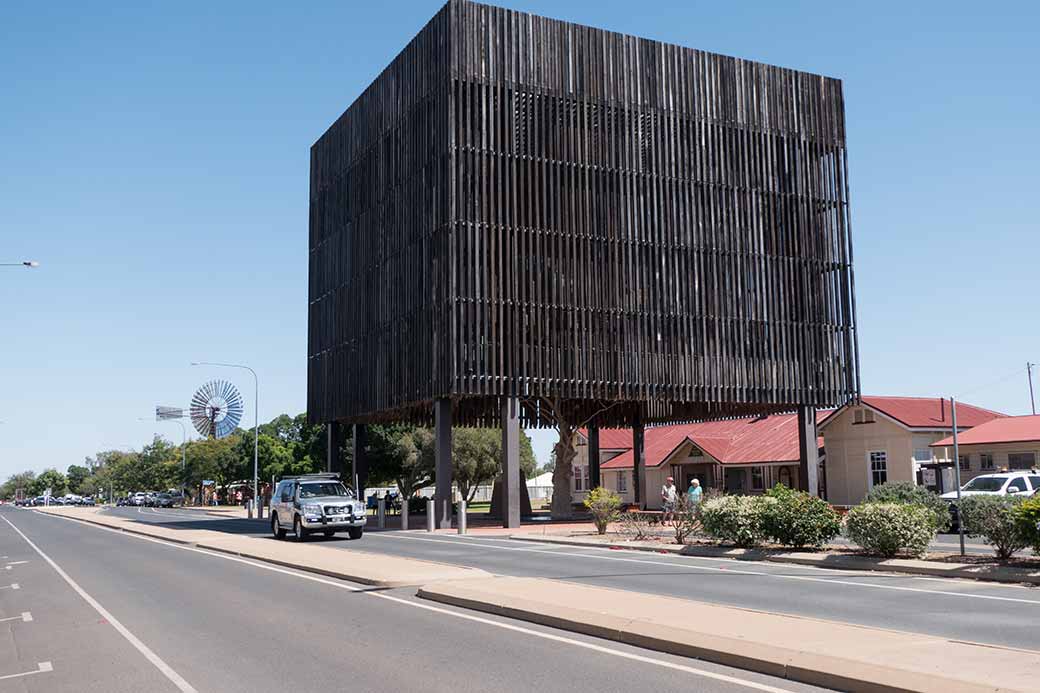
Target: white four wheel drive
[
  {"x": 316, "y": 503},
  {"x": 1003, "y": 484}
]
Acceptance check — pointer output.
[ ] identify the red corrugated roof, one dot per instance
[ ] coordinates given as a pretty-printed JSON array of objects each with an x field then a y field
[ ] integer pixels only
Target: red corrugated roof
[
  {"x": 930, "y": 412},
  {"x": 1003, "y": 429},
  {"x": 734, "y": 441}
]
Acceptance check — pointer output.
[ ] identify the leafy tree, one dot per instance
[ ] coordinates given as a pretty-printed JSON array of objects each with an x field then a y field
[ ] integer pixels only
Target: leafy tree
[
  {"x": 476, "y": 455},
  {"x": 50, "y": 478},
  {"x": 21, "y": 480},
  {"x": 216, "y": 459},
  {"x": 76, "y": 476},
  {"x": 414, "y": 457}
]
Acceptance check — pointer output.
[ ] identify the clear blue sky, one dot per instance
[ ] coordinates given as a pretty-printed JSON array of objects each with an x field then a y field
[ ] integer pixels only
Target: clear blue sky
[{"x": 154, "y": 158}]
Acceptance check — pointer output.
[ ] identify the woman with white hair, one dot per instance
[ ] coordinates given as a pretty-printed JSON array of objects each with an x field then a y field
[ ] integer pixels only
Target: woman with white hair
[{"x": 693, "y": 494}]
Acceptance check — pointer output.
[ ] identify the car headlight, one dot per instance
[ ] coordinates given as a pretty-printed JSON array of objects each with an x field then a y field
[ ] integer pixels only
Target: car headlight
[
  {"x": 312, "y": 509},
  {"x": 359, "y": 508}
]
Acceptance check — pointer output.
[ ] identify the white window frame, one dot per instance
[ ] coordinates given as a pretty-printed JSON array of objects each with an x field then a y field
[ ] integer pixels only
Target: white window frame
[
  {"x": 965, "y": 463},
  {"x": 926, "y": 459},
  {"x": 578, "y": 478},
  {"x": 622, "y": 481},
  {"x": 983, "y": 463},
  {"x": 870, "y": 467}
]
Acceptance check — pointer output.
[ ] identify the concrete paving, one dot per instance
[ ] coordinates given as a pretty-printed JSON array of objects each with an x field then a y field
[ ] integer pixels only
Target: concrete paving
[
  {"x": 225, "y": 624},
  {"x": 836, "y": 655},
  {"x": 958, "y": 609}
]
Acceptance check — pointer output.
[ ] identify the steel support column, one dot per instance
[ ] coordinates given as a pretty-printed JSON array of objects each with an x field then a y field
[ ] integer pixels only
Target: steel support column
[
  {"x": 639, "y": 490},
  {"x": 442, "y": 432},
  {"x": 359, "y": 459},
  {"x": 594, "y": 476},
  {"x": 333, "y": 443},
  {"x": 511, "y": 477},
  {"x": 808, "y": 452}
]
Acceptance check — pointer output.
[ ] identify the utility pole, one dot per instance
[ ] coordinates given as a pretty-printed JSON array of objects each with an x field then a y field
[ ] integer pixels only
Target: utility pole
[
  {"x": 957, "y": 472},
  {"x": 1029, "y": 375}
]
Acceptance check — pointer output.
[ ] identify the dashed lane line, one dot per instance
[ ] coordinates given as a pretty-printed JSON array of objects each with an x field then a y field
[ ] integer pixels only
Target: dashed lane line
[
  {"x": 41, "y": 668},
  {"x": 167, "y": 671},
  {"x": 614, "y": 652}
]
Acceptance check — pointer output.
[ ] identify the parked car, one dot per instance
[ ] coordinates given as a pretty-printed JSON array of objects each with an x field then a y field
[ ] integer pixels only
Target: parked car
[
  {"x": 316, "y": 503},
  {"x": 162, "y": 500},
  {"x": 1002, "y": 484},
  {"x": 138, "y": 498}
]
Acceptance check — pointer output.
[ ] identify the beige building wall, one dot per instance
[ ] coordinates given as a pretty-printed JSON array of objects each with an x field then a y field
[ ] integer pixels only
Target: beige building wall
[
  {"x": 848, "y": 447},
  {"x": 999, "y": 452}
]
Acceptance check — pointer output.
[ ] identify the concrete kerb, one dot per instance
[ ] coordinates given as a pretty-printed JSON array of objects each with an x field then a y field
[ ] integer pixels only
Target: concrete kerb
[
  {"x": 345, "y": 564},
  {"x": 835, "y": 655},
  {"x": 1001, "y": 574}
]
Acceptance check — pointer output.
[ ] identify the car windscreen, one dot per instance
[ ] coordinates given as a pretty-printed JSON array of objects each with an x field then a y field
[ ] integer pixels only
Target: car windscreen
[
  {"x": 984, "y": 483},
  {"x": 328, "y": 488}
]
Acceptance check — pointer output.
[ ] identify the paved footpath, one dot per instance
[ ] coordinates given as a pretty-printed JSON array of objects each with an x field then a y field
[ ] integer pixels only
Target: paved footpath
[
  {"x": 116, "y": 612},
  {"x": 981, "y": 612}
]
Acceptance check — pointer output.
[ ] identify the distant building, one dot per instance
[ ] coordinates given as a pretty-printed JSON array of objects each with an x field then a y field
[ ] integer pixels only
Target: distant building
[
  {"x": 1009, "y": 443},
  {"x": 747, "y": 455},
  {"x": 889, "y": 439},
  {"x": 860, "y": 446}
]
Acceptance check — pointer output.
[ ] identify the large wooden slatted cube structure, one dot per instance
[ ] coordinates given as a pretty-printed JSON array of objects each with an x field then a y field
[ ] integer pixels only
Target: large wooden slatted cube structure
[{"x": 521, "y": 211}]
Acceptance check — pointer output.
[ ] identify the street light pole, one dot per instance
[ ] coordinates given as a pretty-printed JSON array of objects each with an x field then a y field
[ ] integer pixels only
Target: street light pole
[{"x": 256, "y": 428}]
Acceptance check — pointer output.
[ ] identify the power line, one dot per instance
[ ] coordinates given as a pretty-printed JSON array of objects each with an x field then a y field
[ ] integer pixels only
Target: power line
[{"x": 1017, "y": 371}]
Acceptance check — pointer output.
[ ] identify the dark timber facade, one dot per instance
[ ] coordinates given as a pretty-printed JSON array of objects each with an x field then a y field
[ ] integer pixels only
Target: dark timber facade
[{"x": 523, "y": 209}]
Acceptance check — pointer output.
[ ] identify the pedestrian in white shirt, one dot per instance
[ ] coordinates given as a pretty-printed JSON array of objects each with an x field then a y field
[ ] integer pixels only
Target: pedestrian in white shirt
[{"x": 669, "y": 497}]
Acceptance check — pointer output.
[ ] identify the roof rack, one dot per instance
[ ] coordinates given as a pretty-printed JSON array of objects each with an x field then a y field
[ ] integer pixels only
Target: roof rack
[{"x": 315, "y": 477}]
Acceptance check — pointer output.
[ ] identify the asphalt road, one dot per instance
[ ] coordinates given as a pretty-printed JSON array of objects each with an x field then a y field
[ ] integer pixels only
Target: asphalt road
[
  {"x": 114, "y": 612},
  {"x": 961, "y": 609}
]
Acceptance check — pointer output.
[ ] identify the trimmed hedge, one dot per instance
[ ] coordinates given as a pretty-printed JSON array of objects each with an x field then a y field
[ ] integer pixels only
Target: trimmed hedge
[
  {"x": 736, "y": 519},
  {"x": 889, "y": 529},
  {"x": 906, "y": 492},
  {"x": 798, "y": 519},
  {"x": 1027, "y": 521},
  {"x": 993, "y": 518}
]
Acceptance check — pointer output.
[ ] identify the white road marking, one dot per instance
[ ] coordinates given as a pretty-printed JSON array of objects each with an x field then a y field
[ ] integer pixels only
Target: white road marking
[
  {"x": 162, "y": 666},
  {"x": 12, "y": 586},
  {"x": 26, "y": 617},
  {"x": 17, "y": 562},
  {"x": 733, "y": 571},
  {"x": 448, "y": 612},
  {"x": 41, "y": 668}
]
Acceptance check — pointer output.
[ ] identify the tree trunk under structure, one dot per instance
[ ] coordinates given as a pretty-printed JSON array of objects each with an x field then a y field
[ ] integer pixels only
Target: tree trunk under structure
[{"x": 562, "y": 507}]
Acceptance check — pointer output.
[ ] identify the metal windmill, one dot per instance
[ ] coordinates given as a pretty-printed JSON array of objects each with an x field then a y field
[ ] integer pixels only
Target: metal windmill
[{"x": 216, "y": 408}]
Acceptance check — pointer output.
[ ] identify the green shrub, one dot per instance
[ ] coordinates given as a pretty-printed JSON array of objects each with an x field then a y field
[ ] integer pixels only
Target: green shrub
[
  {"x": 1027, "y": 520},
  {"x": 993, "y": 519},
  {"x": 798, "y": 519},
  {"x": 909, "y": 493},
  {"x": 604, "y": 505},
  {"x": 736, "y": 519},
  {"x": 891, "y": 528}
]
